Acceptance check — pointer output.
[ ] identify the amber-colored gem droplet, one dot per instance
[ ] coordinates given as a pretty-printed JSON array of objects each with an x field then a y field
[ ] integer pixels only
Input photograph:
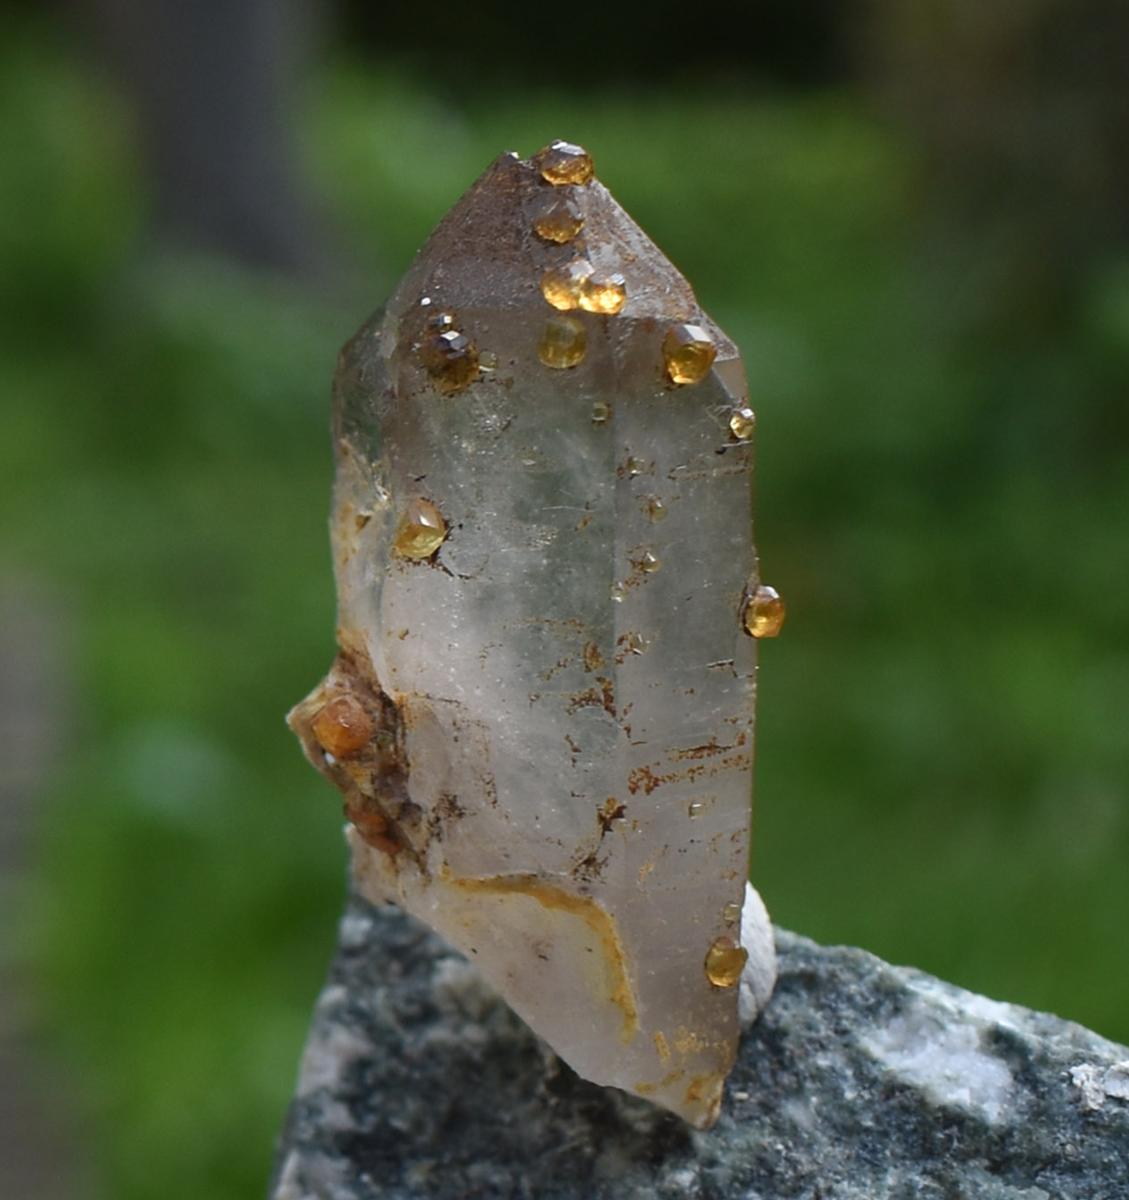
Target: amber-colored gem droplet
[
  {"x": 742, "y": 423},
  {"x": 606, "y": 294},
  {"x": 635, "y": 466},
  {"x": 449, "y": 357},
  {"x": 725, "y": 961},
  {"x": 560, "y": 220},
  {"x": 649, "y": 562},
  {"x": 563, "y": 163},
  {"x": 563, "y": 286},
  {"x": 764, "y": 612},
  {"x": 563, "y": 343},
  {"x": 688, "y": 352},
  {"x": 343, "y": 727},
  {"x": 421, "y": 532},
  {"x": 731, "y": 913},
  {"x": 695, "y": 809},
  {"x": 601, "y": 412},
  {"x": 656, "y": 509}
]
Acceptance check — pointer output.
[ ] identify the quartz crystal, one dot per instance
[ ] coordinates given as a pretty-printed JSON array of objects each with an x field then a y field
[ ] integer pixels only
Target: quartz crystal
[{"x": 541, "y": 712}]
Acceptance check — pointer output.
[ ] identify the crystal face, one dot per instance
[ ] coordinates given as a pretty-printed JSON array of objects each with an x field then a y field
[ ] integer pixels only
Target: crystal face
[{"x": 541, "y": 713}]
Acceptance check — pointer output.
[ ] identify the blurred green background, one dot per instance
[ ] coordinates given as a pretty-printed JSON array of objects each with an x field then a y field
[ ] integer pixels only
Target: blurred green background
[{"x": 913, "y": 221}]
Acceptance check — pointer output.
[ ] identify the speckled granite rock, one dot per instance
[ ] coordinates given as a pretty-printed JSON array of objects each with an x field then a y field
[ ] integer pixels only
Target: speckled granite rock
[{"x": 861, "y": 1080}]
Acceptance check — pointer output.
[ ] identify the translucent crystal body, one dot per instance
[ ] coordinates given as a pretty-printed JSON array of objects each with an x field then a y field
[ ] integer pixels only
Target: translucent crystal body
[{"x": 559, "y": 776}]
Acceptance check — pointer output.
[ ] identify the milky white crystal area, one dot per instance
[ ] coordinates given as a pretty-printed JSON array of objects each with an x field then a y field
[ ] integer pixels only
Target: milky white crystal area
[{"x": 541, "y": 716}]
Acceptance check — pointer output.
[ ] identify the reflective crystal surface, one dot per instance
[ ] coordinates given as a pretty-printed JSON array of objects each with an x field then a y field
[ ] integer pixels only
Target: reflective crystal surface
[{"x": 543, "y": 571}]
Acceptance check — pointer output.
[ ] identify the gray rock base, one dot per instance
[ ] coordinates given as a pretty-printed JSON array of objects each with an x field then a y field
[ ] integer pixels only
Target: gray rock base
[{"x": 861, "y": 1080}]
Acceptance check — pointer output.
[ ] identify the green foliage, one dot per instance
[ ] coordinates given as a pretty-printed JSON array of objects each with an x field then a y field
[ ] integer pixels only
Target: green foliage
[{"x": 944, "y": 753}]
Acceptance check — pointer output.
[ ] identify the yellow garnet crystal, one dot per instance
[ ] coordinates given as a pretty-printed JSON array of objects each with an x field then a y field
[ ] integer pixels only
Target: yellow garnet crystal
[
  {"x": 563, "y": 287},
  {"x": 742, "y": 423},
  {"x": 559, "y": 220},
  {"x": 563, "y": 343},
  {"x": 449, "y": 357},
  {"x": 725, "y": 961},
  {"x": 343, "y": 728},
  {"x": 606, "y": 294},
  {"x": 563, "y": 163},
  {"x": 688, "y": 352},
  {"x": 764, "y": 612},
  {"x": 421, "y": 531}
]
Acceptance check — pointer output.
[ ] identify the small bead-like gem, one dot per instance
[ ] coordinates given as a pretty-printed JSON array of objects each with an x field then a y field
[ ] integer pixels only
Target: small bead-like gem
[
  {"x": 606, "y": 294},
  {"x": 742, "y": 423},
  {"x": 564, "y": 286},
  {"x": 563, "y": 343},
  {"x": 764, "y": 612},
  {"x": 725, "y": 961},
  {"x": 731, "y": 913},
  {"x": 601, "y": 412},
  {"x": 449, "y": 357},
  {"x": 421, "y": 532},
  {"x": 343, "y": 727},
  {"x": 656, "y": 509},
  {"x": 688, "y": 352},
  {"x": 559, "y": 220},
  {"x": 563, "y": 163}
]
